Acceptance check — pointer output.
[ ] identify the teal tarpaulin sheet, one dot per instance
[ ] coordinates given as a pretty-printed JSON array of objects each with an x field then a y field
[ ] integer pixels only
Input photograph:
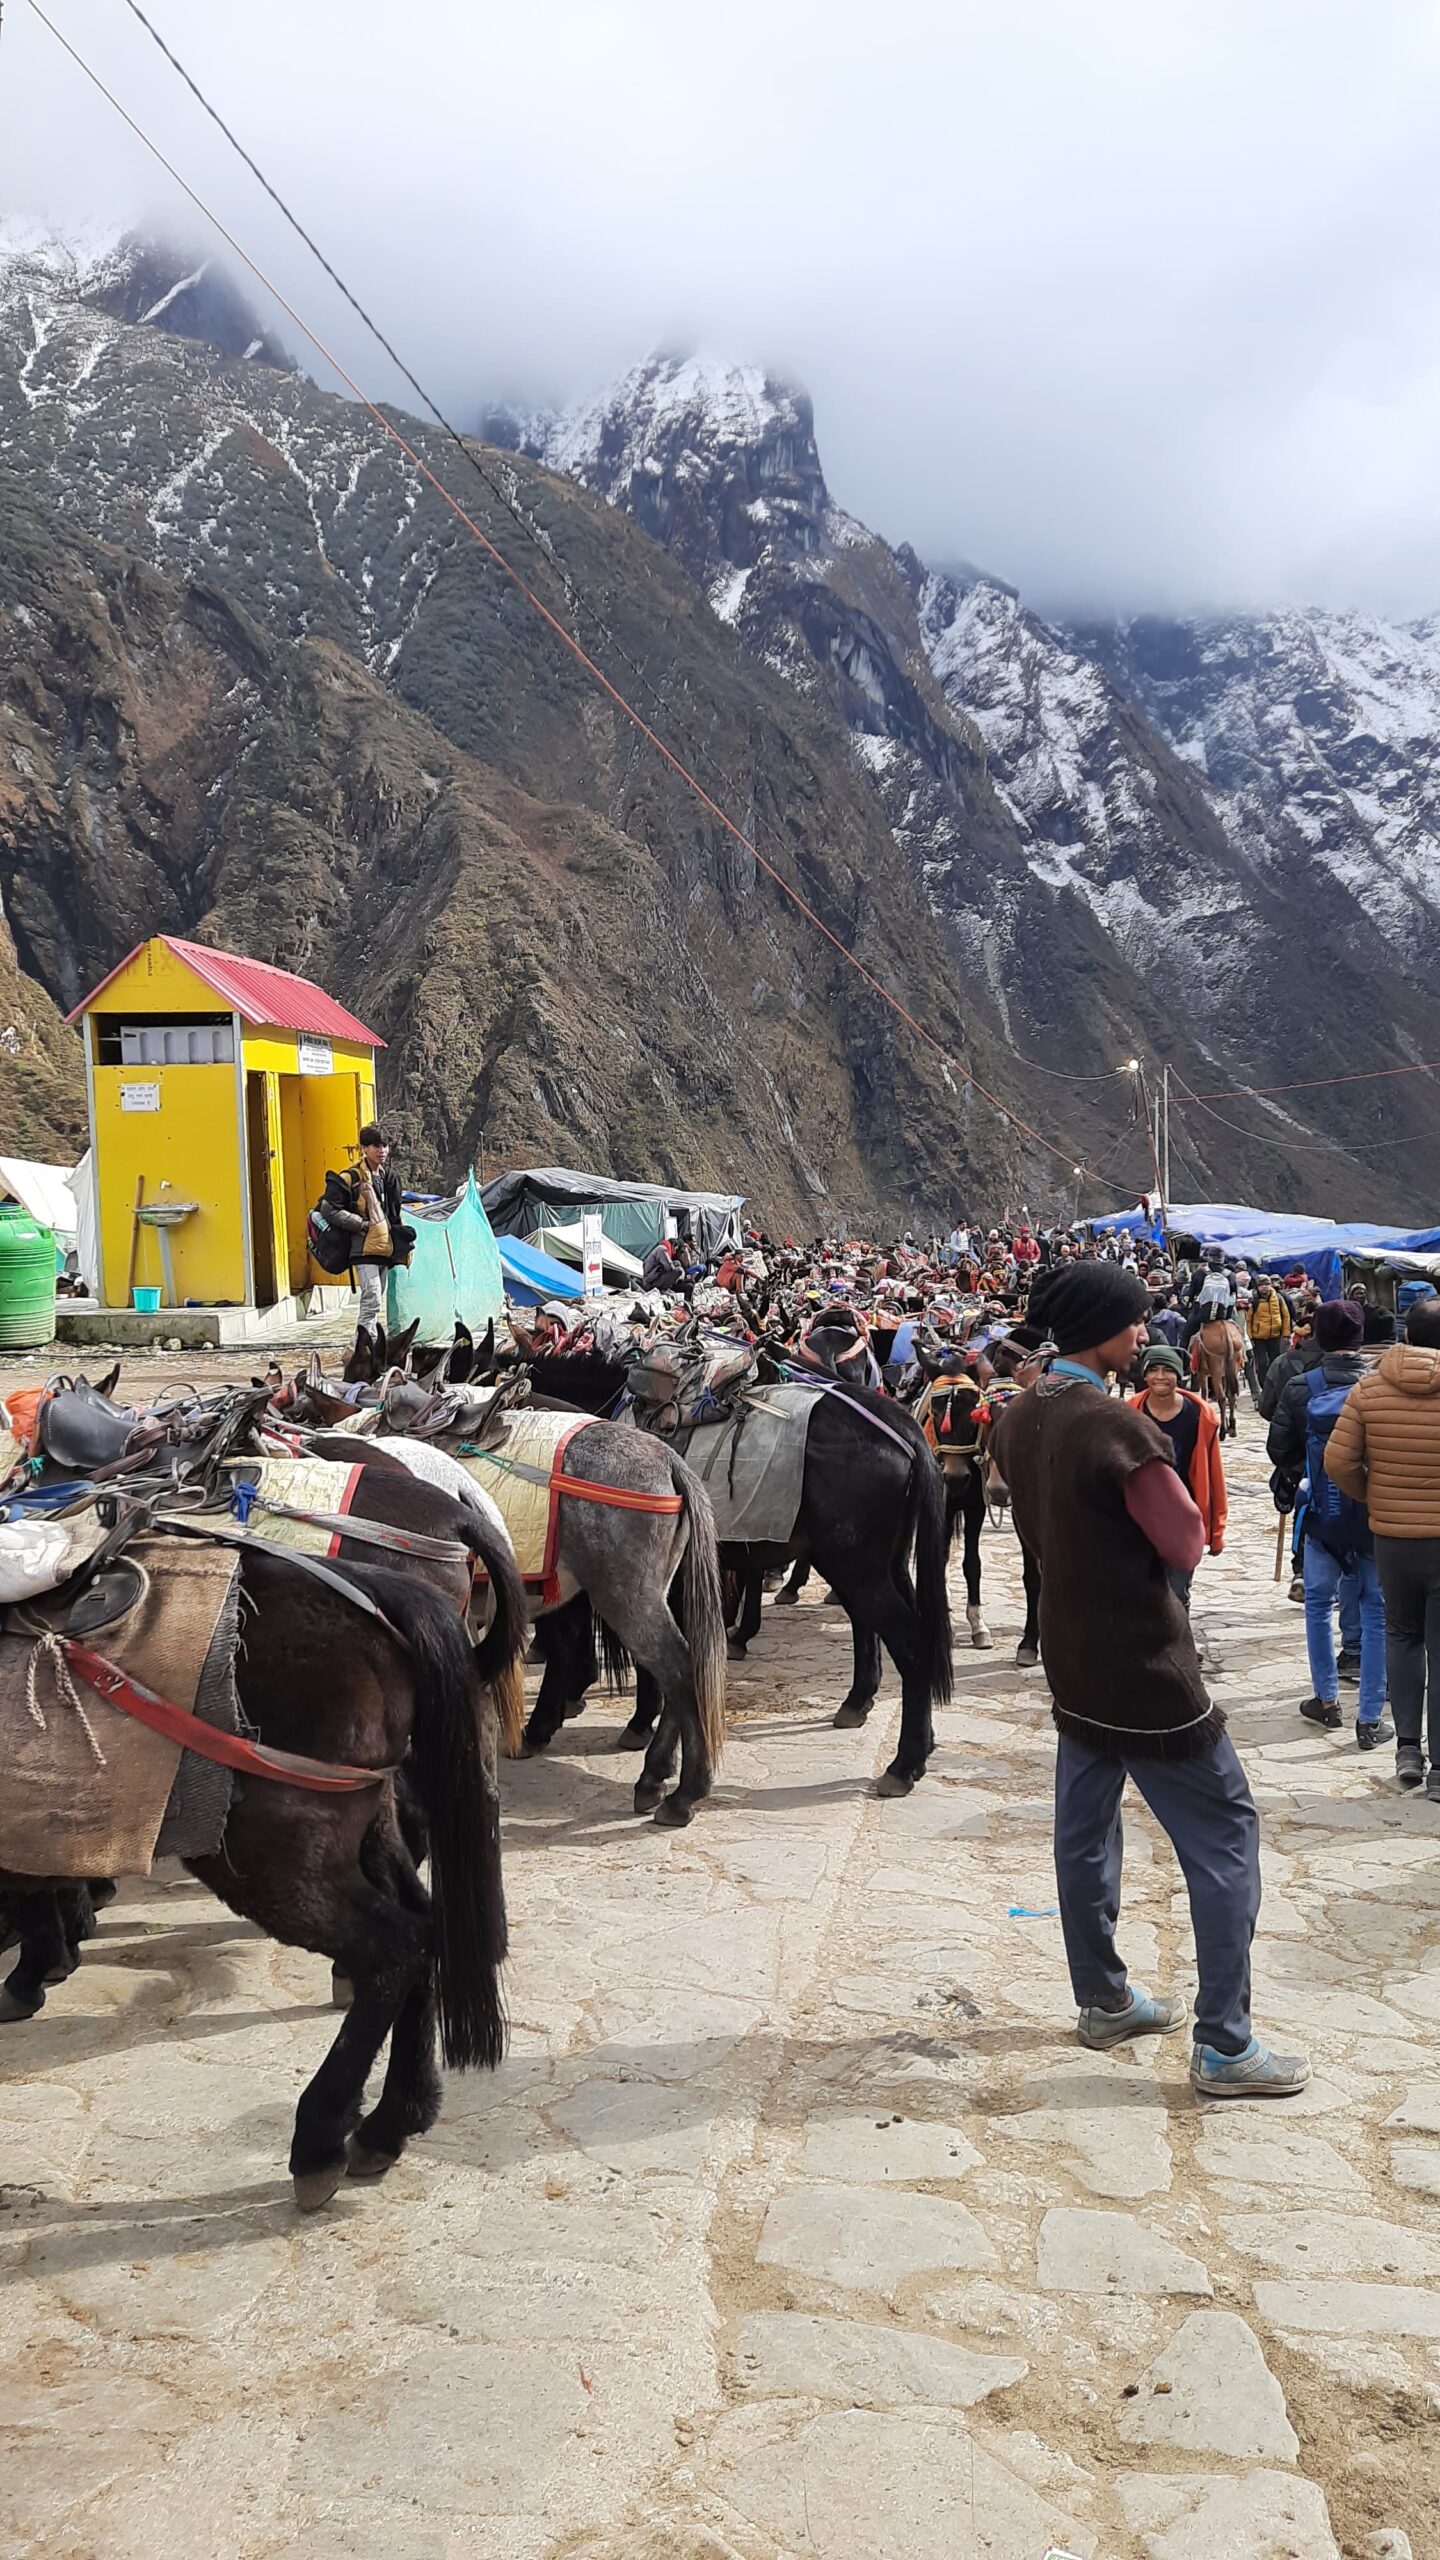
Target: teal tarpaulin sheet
[{"x": 454, "y": 1271}]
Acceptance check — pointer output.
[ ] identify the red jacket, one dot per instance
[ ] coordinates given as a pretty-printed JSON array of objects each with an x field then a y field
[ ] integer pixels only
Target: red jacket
[{"x": 1206, "y": 1479}]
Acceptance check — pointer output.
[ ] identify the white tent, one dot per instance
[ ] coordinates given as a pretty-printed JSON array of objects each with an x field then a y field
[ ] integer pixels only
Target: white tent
[
  {"x": 568, "y": 1245},
  {"x": 43, "y": 1189}
]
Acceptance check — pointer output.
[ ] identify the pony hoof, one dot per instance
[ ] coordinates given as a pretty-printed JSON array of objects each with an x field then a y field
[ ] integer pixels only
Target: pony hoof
[
  {"x": 849, "y": 1719},
  {"x": 342, "y": 1989},
  {"x": 529, "y": 1748},
  {"x": 361, "y": 2162},
  {"x": 674, "y": 1813},
  {"x": 61, "y": 1972},
  {"x": 891, "y": 1782},
  {"x": 980, "y": 1636},
  {"x": 787, "y": 1599},
  {"x": 649, "y": 1792},
  {"x": 630, "y": 1738},
  {"x": 1026, "y": 1657},
  {"x": 13, "y": 2010},
  {"x": 734, "y": 1650},
  {"x": 314, "y": 2187}
]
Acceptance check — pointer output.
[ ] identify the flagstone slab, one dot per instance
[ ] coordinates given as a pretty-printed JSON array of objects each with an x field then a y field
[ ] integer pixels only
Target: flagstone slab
[
  {"x": 1081, "y": 2251},
  {"x": 1253, "y": 2515},
  {"x": 1340, "y": 2309},
  {"x": 873, "y": 2149},
  {"x": 861, "y": 2362},
  {"x": 873, "y": 2240},
  {"x": 1332, "y": 2244},
  {"x": 1211, "y": 2391}
]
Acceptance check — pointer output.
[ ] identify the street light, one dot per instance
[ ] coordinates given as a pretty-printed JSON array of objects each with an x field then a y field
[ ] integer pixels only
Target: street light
[{"x": 1131, "y": 1067}]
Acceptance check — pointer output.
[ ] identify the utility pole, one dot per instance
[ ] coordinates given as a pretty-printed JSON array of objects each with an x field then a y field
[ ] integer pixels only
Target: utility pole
[{"x": 1165, "y": 1133}]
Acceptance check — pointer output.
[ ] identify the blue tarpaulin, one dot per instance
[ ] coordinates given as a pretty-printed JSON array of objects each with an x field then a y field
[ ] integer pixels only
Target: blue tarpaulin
[
  {"x": 531, "y": 1276},
  {"x": 1280, "y": 1240}
]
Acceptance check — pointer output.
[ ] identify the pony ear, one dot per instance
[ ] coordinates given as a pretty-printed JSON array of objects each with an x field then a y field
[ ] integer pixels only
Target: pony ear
[
  {"x": 399, "y": 1349},
  {"x": 107, "y": 1385}
]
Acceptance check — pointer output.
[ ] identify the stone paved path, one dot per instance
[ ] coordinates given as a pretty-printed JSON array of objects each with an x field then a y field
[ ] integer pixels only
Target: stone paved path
[{"x": 797, "y": 2227}]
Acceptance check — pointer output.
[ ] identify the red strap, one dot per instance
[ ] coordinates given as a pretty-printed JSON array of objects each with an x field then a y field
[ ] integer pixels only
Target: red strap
[
  {"x": 257, "y": 1759},
  {"x": 616, "y": 1494}
]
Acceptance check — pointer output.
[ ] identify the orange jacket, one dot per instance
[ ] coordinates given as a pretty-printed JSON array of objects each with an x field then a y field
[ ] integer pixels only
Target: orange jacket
[{"x": 1206, "y": 1482}]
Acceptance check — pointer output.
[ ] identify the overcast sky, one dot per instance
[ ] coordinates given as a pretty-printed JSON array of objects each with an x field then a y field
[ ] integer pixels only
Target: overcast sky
[{"x": 1136, "y": 305}]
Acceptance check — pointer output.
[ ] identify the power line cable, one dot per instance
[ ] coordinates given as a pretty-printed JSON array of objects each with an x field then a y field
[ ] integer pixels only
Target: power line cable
[
  {"x": 1262, "y": 1138},
  {"x": 576, "y": 595},
  {"x": 1312, "y": 1084},
  {"x": 566, "y": 637}
]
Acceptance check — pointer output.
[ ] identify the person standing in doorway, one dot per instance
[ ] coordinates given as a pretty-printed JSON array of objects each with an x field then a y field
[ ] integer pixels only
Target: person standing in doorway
[
  {"x": 365, "y": 1198},
  {"x": 1099, "y": 1503}
]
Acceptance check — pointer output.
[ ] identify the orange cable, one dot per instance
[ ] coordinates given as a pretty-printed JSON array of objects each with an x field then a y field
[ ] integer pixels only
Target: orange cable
[{"x": 566, "y": 637}]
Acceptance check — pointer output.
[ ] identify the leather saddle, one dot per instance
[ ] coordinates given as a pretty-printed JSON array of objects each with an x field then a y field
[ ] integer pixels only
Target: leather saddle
[
  {"x": 676, "y": 1386},
  {"x": 81, "y": 1429},
  {"x": 103, "y": 1589}
]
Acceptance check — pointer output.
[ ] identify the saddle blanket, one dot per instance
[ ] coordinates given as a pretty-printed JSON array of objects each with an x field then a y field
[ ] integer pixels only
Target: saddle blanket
[
  {"x": 298, "y": 1484},
  {"x": 531, "y": 1511},
  {"x": 64, "y": 1811},
  {"x": 753, "y": 1466}
]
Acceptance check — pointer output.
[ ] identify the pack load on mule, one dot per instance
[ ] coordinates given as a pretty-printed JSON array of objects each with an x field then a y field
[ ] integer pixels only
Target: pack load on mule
[{"x": 358, "y": 1714}]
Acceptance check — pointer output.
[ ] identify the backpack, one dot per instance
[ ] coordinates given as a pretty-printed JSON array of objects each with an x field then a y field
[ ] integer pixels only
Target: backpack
[
  {"x": 1335, "y": 1518},
  {"x": 333, "y": 1247}
]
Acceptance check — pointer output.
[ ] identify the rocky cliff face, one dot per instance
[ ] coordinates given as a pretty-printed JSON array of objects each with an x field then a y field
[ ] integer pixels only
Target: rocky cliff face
[
  {"x": 1212, "y": 842},
  {"x": 256, "y": 684}
]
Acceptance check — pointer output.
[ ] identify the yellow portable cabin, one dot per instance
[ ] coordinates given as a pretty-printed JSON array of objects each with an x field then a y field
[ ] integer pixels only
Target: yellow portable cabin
[{"x": 221, "y": 1090}]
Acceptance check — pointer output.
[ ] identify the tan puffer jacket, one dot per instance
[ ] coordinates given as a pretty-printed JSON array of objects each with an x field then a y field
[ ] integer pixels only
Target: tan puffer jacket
[{"x": 1385, "y": 1447}]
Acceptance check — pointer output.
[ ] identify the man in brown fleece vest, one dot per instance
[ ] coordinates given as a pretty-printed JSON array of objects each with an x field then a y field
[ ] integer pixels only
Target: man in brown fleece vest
[{"x": 1098, "y": 1503}]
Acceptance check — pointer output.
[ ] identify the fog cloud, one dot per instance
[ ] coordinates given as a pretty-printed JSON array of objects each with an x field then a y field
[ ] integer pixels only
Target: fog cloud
[{"x": 1135, "y": 305}]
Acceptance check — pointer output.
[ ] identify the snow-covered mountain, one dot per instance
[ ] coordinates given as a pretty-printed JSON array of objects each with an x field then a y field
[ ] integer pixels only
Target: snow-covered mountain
[
  {"x": 1325, "y": 725},
  {"x": 1211, "y": 845},
  {"x": 1216, "y": 841}
]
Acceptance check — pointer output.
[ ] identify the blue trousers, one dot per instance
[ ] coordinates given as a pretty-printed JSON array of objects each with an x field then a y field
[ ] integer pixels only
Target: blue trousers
[
  {"x": 1326, "y": 1579},
  {"x": 1206, "y": 1808}
]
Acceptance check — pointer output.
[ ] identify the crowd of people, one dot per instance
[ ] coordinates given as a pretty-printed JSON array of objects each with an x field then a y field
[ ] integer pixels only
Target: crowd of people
[{"x": 1115, "y": 1474}]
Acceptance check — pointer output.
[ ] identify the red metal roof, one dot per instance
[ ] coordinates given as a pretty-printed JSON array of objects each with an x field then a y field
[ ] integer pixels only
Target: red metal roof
[{"x": 256, "y": 991}]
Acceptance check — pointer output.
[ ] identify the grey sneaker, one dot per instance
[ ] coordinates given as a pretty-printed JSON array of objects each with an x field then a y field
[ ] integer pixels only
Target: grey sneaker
[
  {"x": 1348, "y": 1667},
  {"x": 1370, "y": 1734},
  {"x": 1146, "y": 2016},
  {"x": 1409, "y": 1764},
  {"x": 1255, "y": 2073},
  {"x": 1432, "y": 1783}
]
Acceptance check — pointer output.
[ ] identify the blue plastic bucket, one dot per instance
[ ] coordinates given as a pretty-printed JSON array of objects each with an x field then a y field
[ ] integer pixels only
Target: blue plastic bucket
[{"x": 147, "y": 1301}]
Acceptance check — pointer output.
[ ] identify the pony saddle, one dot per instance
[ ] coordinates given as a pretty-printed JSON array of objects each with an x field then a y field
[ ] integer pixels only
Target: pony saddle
[
  {"x": 81, "y": 1429},
  {"x": 674, "y": 1387}
]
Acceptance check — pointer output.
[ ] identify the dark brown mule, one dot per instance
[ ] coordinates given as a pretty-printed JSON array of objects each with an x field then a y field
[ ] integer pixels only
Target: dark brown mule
[{"x": 318, "y": 1675}]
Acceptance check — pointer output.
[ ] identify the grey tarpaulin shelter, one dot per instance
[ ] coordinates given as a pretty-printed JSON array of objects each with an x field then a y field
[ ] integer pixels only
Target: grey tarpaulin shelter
[{"x": 631, "y": 1213}]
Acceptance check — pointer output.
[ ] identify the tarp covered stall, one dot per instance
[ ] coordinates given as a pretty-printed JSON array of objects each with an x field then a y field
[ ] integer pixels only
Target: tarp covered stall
[
  {"x": 632, "y": 1213},
  {"x": 567, "y": 1244},
  {"x": 454, "y": 1271},
  {"x": 531, "y": 1277},
  {"x": 46, "y": 1191},
  {"x": 1278, "y": 1239}
]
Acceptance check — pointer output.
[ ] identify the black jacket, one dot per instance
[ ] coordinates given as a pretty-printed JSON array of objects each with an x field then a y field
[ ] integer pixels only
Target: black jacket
[
  {"x": 1285, "y": 1446},
  {"x": 342, "y": 1203},
  {"x": 1291, "y": 1364}
]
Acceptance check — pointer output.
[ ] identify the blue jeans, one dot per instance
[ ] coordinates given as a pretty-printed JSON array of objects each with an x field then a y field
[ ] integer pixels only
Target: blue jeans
[
  {"x": 1207, "y": 1809},
  {"x": 1325, "y": 1577}
]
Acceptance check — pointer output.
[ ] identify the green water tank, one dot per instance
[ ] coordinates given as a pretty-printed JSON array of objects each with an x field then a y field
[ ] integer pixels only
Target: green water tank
[{"x": 27, "y": 1280}]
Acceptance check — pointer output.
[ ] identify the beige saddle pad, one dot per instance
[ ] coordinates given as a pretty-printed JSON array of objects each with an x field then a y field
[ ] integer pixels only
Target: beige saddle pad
[{"x": 84, "y": 1787}]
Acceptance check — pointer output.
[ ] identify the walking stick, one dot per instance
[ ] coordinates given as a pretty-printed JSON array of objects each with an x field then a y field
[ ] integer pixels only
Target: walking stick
[{"x": 1280, "y": 1528}]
